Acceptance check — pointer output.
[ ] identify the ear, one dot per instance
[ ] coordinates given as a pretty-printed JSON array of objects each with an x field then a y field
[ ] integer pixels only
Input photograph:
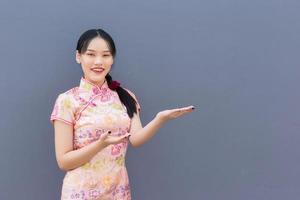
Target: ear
[{"x": 78, "y": 57}]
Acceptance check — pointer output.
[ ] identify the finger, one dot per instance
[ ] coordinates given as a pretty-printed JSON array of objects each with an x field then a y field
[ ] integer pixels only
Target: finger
[
  {"x": 104, "y": 135},
  {"x": 190, "y": 107},
  {"x": 178, "y": 110},
  {"x": 114, "y": 139},
  {"x": 187, "y": 109},
  {"x": 183, "y": 112},
  {"x": 122, "y": 137},
  {"x": 126, "y": 136}
]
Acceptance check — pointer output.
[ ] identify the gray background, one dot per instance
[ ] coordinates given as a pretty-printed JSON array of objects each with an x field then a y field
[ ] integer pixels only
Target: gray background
[{"x": 237, "y": 61}]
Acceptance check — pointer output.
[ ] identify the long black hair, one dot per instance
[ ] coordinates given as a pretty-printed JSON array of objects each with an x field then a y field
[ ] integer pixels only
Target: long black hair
[{"x": 82, "y": 45}]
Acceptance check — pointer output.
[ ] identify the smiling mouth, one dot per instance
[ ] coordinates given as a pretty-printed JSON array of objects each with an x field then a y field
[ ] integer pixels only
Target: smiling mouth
[{"x": 97, "y": 70}]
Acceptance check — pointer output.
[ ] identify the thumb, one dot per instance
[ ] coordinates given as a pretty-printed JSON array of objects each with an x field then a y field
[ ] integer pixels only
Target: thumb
[{"x": 104, "y": 135}]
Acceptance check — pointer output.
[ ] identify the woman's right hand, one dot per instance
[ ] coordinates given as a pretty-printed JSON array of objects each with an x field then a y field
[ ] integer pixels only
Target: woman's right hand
[{"x": 107, "y": 139}]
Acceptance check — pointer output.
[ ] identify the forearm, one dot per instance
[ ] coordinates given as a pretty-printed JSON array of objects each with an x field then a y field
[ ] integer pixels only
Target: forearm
[
  {"x": 79, "y": 157},
  {"x": 146, "y": 133}
]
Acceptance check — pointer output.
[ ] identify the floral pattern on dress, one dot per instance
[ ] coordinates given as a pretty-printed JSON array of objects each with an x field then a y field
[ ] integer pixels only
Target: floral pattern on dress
[{"x": 92, "y": 111}]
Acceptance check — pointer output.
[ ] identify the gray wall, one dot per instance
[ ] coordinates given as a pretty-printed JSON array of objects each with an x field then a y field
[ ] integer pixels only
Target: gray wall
[{"x": 236, "y": 61}]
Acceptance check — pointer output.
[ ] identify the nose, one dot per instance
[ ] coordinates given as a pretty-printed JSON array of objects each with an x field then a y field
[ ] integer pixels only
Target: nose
[{"x": 98, "y": 60}]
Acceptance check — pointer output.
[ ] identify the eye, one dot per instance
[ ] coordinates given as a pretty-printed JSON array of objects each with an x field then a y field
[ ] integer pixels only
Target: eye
[
  {"x": 90, "y": 54},
  {"x": 106, "y": 55}
]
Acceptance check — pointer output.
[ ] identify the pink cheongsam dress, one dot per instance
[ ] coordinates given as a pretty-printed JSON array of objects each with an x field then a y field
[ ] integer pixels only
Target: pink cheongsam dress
[{"x": 92, "y": 111}]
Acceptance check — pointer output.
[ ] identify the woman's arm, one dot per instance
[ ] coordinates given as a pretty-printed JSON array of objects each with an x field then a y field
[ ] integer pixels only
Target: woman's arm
[
  {"x": 140, "y": 135},
  {"x": 69, "y": 159}
]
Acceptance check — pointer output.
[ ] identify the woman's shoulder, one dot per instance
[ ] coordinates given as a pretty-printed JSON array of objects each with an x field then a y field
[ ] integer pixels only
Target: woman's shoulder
[{"x": 69, "y": 94}]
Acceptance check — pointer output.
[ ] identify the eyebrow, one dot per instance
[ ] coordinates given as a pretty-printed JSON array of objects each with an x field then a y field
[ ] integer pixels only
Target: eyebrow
[{"x": 95, "y": 51}]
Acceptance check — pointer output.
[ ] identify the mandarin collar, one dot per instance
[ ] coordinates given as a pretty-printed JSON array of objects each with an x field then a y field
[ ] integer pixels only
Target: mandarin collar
[{"x": 92, "y": 88}]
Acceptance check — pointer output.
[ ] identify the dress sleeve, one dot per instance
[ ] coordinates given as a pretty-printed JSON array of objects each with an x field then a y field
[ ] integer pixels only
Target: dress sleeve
[
  {"x": 63, "y": 109},
  {"x": 137, "y": 102}
]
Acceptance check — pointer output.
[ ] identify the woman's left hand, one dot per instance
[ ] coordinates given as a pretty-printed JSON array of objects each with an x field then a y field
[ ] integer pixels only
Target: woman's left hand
[{"x": 174, "y": 113}]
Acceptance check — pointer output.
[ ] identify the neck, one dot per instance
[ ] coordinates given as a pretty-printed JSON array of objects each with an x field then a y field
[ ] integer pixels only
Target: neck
[{"x": 98, "y": 83}]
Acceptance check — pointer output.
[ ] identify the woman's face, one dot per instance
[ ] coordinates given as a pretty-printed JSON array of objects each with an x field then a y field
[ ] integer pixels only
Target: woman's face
[{"x": 96, "y": 62}]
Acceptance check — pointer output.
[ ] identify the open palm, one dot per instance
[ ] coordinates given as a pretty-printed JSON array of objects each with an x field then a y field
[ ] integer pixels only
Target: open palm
[
  {"x": 109, "y": 139},
  {"x": 174, "y": 113}
]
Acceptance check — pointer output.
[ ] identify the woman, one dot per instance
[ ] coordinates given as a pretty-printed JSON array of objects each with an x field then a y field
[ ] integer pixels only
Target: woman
[{"x": 94, "y": 123}]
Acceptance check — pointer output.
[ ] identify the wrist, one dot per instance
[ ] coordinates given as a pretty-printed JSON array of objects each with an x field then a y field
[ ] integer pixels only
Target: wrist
[
  {"x": 160, "y": 118},
  {"x": 101, "y": 144}
]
